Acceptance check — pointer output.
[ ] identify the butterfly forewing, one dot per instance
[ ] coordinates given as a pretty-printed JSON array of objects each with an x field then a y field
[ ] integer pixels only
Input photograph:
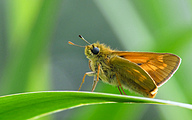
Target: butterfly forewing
[{"x": 160, "y": 66}]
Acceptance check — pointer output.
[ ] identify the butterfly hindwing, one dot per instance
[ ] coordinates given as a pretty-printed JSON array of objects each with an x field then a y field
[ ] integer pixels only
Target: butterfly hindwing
[{"x": 133, "y": 77}]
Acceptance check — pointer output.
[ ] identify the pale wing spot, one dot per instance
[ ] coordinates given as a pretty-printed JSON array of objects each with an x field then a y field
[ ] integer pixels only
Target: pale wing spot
[
  {"x": 163, "y": 66},
  {"x": 136, "y": 70},
  {"x": 153, "y": 67},
  {"x": 141, "y": 76},
  {"x": 160, "y": 58}
]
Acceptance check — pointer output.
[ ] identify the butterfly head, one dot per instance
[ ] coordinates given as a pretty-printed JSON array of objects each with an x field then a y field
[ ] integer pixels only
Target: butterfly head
[
  {"x": 95, "y": 50},
  {"x": 92, "y": 51}
]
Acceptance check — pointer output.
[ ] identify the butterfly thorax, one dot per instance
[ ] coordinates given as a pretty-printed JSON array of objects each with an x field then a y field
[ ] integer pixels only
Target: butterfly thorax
[{"x": 99, "y": 54}]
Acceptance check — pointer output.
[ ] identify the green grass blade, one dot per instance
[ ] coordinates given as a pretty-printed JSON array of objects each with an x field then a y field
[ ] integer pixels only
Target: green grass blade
[{"x": 37, "y": 104}]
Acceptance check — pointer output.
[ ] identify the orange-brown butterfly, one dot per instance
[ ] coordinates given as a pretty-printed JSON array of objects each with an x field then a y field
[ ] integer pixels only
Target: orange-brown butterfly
[{"x": 141, "y": 72}]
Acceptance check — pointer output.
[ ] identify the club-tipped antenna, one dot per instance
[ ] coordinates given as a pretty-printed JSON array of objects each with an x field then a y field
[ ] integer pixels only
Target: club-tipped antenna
[
  {"x": 69, "y": 42},
  {"x": 84, "y": 39}
]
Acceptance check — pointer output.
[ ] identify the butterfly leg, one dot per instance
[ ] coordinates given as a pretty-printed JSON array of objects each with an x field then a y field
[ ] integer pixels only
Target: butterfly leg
[
  {"x": 95, "y": 81},
  {"x": 89, "y": 74},
  {"x": 120, "y": 85},
  {"x": 119, "y": 90}
]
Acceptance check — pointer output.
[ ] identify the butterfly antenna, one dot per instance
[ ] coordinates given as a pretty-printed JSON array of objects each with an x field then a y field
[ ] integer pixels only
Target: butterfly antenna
[
  {"x": 69, "y": 42},
  {"x": 84, "y": 39}
]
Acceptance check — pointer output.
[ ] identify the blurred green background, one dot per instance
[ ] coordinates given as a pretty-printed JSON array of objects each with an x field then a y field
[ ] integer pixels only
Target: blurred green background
[{"x": 35, "y": 55}]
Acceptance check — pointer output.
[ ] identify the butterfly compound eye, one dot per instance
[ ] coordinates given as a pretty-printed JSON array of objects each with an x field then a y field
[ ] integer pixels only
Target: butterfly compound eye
[{"x": 95, "y": 50}]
